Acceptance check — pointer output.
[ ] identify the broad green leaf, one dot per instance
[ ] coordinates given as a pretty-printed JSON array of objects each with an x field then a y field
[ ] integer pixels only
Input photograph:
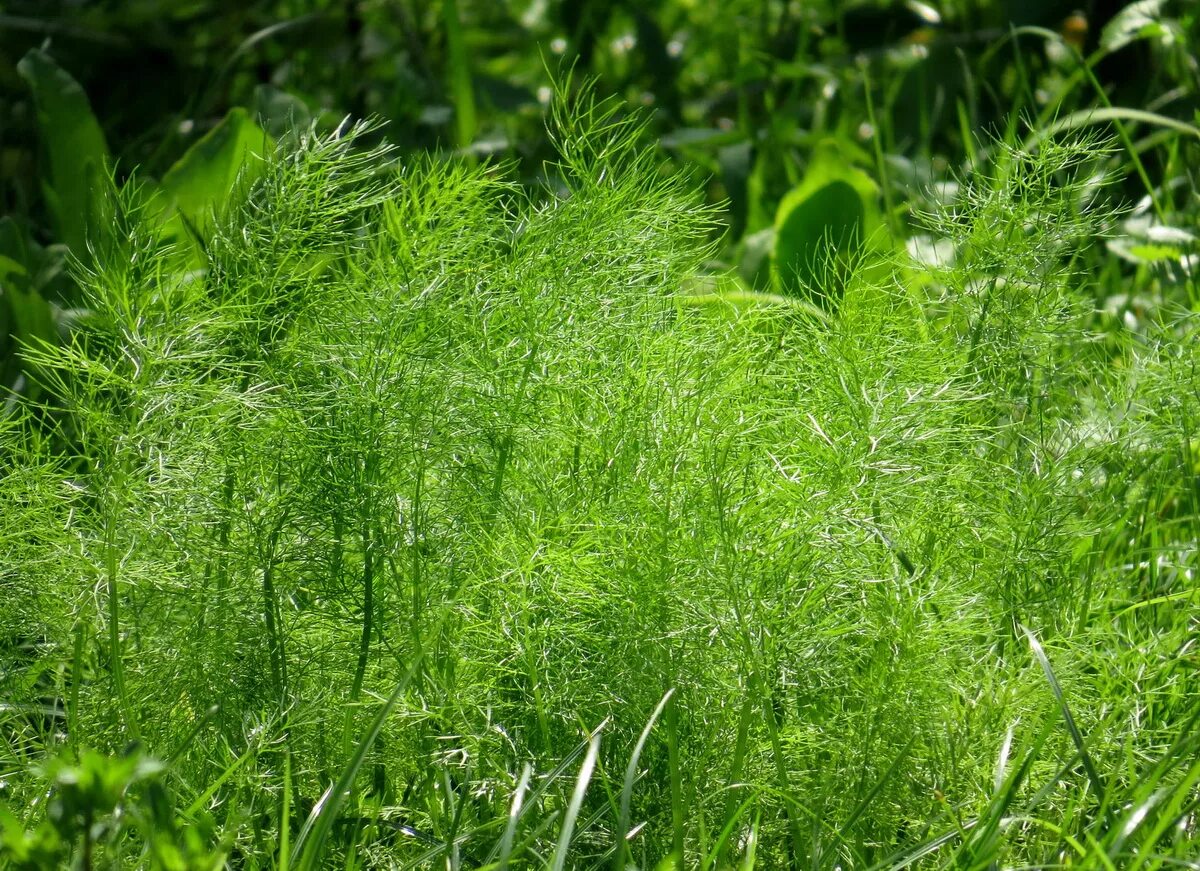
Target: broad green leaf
[
  {"x": 1136, "y": 21},
  {"x": 32, "y": 316},
  {"x": 74, "y": 148},
  {"x": 26, "y": 318},
  {"x": 25, "y": 315},
  {"x": 1152, "y": 243},
  {"x": 1154, "y": 253},
  {"x": 813, "y": 233},
  {"x": 822, "y": 227},
  {"x": 8, "y": 267},
  {"x": 199, "y": 184},
  {"x": 14, "y": 243}
]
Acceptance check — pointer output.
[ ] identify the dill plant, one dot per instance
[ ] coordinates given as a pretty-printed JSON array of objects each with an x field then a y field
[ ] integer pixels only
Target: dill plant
[{"x": 415, "y": 421}]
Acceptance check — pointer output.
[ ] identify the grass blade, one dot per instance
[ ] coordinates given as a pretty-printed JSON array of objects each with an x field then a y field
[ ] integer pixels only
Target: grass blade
[
  {"x": 514, "y": 815},
  {"x": 581, "y": 785},
  {"x": 554, "y": 775},
  {"x": 719, "y": 845},
  {"x": 879, "y": 784},
  {"x": 630, "y": 777},
  {"x": 751, "y": 845},
  {"x": 311, "y": 841},
  {"x": 1076, "y": 736}
]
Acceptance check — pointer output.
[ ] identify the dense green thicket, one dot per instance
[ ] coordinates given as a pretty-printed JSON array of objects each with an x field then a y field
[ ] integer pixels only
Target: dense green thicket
[
  {"x": 800, "y": 474},
  {"x": 914, "y": 563},
  {"x": 763, "y": 97}
]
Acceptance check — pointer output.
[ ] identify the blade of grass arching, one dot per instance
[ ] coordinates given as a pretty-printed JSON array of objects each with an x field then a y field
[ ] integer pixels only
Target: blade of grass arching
[
  {"x": 983, "y": 830},
  {"x": 1002, "y": 759},
  {"x": 751, "y": 844},
  {"x": 514, "y": 815},
  {"x": 1191, "y": 593},
  {"x": 739, "y": 752},
  {"x": 919, "y": 853},
  {"x": 199, "y": 103},
  {"x": 1115, "y": 114},
  {"x": 310, "y": 843},
  {"x": 718, "y": 846},
  {"x": 1045, "y": 127},
  {"x": 1076, "y": 736},
  {"x": 676, "y": 782},
  {"x": 875, "y": 790},
  {"x": 1180, "y": 803},
  {"x": 554, "y": 775},
  {"x": 191, "y": 735},
  {"x": 581, "y": 784},
  {"x": 201, "y": 799},
  {"x": 261, "y": 35},
  {"x": 627, "y": 788}
]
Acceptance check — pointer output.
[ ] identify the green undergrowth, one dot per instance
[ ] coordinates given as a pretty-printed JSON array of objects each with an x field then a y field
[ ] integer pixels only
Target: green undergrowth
[{"x": 437, "y": 523}]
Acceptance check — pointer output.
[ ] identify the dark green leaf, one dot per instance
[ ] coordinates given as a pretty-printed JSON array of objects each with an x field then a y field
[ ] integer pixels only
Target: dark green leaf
[
  {"x": 814, "y": 235},
  {"x": 822, "y": 227},
  {"x": 74, "y": 147},
  {"x": 199, "y": 184}
]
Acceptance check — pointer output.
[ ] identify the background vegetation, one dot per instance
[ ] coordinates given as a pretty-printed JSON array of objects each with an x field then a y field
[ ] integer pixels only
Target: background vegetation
[{"x": 587, "y": 433}]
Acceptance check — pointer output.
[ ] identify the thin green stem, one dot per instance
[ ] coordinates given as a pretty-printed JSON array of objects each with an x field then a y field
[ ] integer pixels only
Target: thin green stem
[{"x": 115, "y": 651}]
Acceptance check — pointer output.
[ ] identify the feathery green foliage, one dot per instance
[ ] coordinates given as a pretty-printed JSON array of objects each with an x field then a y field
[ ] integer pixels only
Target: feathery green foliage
[{"x": 410, "y": 419}]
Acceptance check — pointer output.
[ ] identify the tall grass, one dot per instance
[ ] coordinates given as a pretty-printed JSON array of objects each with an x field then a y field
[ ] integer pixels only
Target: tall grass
[{"x": 495, "y": 546}]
